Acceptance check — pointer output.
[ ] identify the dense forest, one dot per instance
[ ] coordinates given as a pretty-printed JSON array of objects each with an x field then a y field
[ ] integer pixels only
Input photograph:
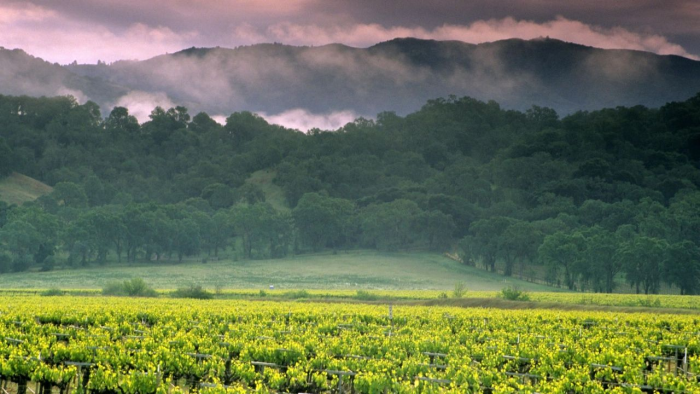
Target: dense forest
[{"x": 583, "y": 202}]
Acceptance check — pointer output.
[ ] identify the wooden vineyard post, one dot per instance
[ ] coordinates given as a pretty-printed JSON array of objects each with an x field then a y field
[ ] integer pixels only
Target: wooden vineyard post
[
  {"x": 82, "y": 377},
  {"x": 340, "y": 375},
  {"x": 391, "y": 319}
]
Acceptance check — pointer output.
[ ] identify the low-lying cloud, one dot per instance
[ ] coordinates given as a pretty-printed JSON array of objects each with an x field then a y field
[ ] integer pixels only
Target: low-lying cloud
[
  {"x": 303, "y": 120},
  {"x": 141, "y": 104}
]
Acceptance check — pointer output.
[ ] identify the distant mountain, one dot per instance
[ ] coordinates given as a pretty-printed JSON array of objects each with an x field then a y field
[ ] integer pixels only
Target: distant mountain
[
  {"x": 398, "y": 75},
  {"x": 23, "y": 74}
]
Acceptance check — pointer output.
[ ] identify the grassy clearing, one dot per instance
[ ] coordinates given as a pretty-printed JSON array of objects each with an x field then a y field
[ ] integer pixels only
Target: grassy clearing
[
  {"x": 18, "y": 189},
  {"x": 273, "y": 193},
  {"x": 346, "y": 270}
]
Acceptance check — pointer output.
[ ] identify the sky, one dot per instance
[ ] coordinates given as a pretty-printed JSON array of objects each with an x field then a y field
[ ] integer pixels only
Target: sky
[{"x": 86, "y": 31}]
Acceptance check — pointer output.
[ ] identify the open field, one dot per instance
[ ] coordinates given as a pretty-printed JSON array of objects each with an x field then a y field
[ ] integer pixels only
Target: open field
[
  {"x": 345, "y": 270},
  {"x": 18, "y": 189}
]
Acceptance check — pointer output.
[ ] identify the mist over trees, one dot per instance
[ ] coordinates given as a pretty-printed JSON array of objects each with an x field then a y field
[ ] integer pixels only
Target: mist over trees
[{"x": 584, "y": 202}]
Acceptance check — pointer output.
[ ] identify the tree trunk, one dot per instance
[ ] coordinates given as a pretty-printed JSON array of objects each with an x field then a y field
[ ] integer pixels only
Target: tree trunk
[{"x": 492, "y": 264}]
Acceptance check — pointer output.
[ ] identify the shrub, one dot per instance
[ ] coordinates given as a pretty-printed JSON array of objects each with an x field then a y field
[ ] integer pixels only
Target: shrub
[
  {"x": 193, "y": 291},
  {"x": 649, "y": 302},
  {"x": 460, "y": 290},
  {"x": 135, "y": 287},
  {"x": 442, "y": 295},
  {"x": 113, "y": 288},
  {"x": 365, "y": 295},
  {"x": 514, "y": 294},
  {"x": 51, "y": 292},
  {"x": 297, "y": 294},
  {"x": 262, "y": 293}
]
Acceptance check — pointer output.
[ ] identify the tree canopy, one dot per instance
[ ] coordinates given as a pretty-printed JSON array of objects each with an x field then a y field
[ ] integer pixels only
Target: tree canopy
[{"x": 590, "y": 201}]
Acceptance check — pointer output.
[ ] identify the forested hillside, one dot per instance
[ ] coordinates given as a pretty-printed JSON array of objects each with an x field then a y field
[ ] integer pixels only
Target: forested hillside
[{"x": 577, "y": 201}]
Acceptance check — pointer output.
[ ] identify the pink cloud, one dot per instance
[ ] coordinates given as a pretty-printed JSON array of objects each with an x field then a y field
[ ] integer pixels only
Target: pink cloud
[
  {"x": 303, "y": 120},
  {"x": 45, "y": 33},
  {"x": 23, "y": 12},
  {"x": 62, "y": 37}
]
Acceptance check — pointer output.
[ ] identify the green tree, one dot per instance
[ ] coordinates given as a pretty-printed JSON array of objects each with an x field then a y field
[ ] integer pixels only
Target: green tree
[
  {"x": 264, "y": 231},
  {"x": 70, "y": 195},
  {"x": 220, "y": 231},
  {"x": 561, "y": 253},
  {"x": 21, "y": 238},
  {"x": 219, "y": 195},
  {"x": 682, "y": 267},
  {"x": 437, "y": 228},
  {"x": 120, "y": 124},
  {"x": 186, "y": 238},
  {"x": 45, "y": 224},
  {"x": 599, "y": 263},
  {"x": 389, "y": 226},
  {"x": 487, "y": 239},
  {"x": 519, "y": 243},
  {"x": 642, "y": 259},
  {"x": 322, "y": 221},
  {"x": 96, "y": 192},
  {"x": 6, "y": 164},
  {"x": 202, "y": 123}
]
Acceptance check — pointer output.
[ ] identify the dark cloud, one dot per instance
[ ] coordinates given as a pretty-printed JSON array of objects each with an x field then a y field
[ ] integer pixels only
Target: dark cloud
[{"x": 675, "y": 19}]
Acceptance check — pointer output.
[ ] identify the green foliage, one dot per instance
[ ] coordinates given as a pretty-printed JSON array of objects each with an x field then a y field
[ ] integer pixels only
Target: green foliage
[
  {"x": 5, "y": 262},
  {"x": 323, "y": 221},
  {"x": 192, "y": 291},
  {"x": 364, "y": 295},
  {"x": 390, "y": 226},
  {"x": 135, "y": 287},
  {"x": 460, "y": 290},
  {"x": 649, "y": 302},
  {"x": 52, "y": 292},
  {"x": 113, "y": 288},
  {"x": 21, "y": 263},
  {"x": 6, "y": 164},
  {"x": 574, "y": 201},
  {"x": 297, "y": 294},
  {"x": 514, "y": 294},
  {"x": 48, "y": 264}
]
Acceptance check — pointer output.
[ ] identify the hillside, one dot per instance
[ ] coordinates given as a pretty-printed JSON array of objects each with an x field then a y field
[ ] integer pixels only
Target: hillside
[
  {"x": 345, "y": 270},
  {"x": 586, "y": 202},
  {"x": 18, "y": 189}
]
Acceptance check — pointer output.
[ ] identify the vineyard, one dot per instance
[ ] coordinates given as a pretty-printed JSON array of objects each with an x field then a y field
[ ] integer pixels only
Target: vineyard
[
  {"x": 102, "y": 345},
  {"x": 674, "y": 302}
]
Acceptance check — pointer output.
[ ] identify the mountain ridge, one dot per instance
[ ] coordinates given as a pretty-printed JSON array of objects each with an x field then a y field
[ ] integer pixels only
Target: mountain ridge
[{"x": 397, "y": 75}]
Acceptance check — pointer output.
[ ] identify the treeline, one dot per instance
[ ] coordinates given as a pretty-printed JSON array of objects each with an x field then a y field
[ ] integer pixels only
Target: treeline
[{"x": 582, "y": 202}]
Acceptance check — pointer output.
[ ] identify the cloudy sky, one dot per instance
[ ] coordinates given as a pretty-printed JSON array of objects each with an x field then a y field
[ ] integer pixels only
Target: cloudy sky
[{"x": 89, "y": 30}]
